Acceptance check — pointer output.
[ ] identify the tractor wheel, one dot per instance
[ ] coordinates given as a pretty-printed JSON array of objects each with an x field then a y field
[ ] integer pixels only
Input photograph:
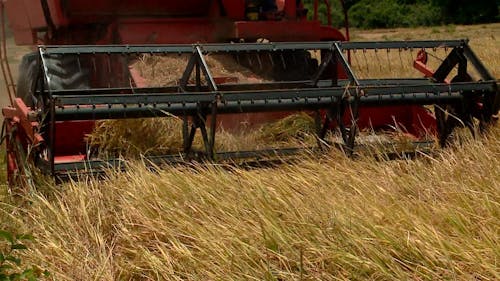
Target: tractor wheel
[
  {"x": 28, "y": 71},
  {"x": 64, "y": 73}
]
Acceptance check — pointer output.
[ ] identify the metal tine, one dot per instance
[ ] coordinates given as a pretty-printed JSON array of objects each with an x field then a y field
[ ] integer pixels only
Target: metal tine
[
  {"x": 401, "y": 59},
  {"x": 378, "y": 59},
  {"x": 108, "y": 56},
  {"x": 94, "y": 66},
  {"x": 249, "y": 58},
  {"x": 388, "y": 59},
  {"x": 294, "y": 58},
  {"x": 271, "y": 59},
  {"x": 79, "y": 62},
  {"x": 359, "y": 64},
  {"x": 354, "y": 62},
  {"x": 127, "y": 79},
  {"x": 366, "y": 61},
  {"x": 237, "y": 56},
  {"x": 282, "y": 60},
  {"x": 259, "y": 61},
  {"x": 185, "y": 131},
  {"x": 412, "y": 59}
]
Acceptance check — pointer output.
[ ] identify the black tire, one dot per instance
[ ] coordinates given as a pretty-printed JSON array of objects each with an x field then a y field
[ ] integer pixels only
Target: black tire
[
  {"x": 28, "y": 70},
  {"x": 64, "y": 73}
]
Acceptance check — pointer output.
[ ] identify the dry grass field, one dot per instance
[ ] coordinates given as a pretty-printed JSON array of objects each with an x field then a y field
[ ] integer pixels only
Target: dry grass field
[{"x": 325, "y": 217}]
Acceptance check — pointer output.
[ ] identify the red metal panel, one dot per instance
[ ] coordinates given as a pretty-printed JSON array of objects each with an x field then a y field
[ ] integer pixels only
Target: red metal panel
[
  {"x": 19, "y": 22},
  {"x": 169, "y": 31},
  {"x": 291, "y": 9},
  {"x": 23, "y": 36},
  {"x": 286, "y": 31},
  {"x": 413, "y": 119},
  {"x": 56, "y": 12},
  {"x": 35, "y": 14},
  {"x": 173, "y": 31},
  {"x": 278, "y": 30},
  {"x": 16, "y": 13},
  {"x": 70, "y": 137},
  {"x": 329, "y": 33},
  {"x": 68, "y": 159},
  {"x": 235, "y": 9},
  {"x": 126, "y": 8},
  {"x": 19, "y": 113}
]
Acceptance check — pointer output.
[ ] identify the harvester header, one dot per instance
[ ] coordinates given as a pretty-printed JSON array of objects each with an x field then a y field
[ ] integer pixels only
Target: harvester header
[{"x": 349, "y": 88}]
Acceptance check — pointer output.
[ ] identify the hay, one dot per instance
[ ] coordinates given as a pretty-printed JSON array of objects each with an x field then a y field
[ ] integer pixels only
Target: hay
[
  {"x": 159, "y": 136},
  {"x": 166, "y": 70},
  {"x": 332, "y": 218},
  {"x": 137, "y": 136},
  {"x": 298, "y": 126}
]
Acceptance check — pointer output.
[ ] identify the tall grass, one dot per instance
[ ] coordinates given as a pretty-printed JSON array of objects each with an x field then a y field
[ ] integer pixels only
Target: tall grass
[{"x": 332, "y": 218}]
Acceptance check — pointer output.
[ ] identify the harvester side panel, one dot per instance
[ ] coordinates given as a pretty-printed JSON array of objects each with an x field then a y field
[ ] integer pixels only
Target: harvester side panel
[
  {"x": 82, "y": 9},
  {"x": 78, "y": 22},
  {"x": 25, "y": 17}
]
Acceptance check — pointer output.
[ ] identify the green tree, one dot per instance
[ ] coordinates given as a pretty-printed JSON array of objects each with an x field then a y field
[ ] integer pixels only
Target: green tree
[
  {"x": 396, "y": 13},
  {"x": 468, "y": 12}
]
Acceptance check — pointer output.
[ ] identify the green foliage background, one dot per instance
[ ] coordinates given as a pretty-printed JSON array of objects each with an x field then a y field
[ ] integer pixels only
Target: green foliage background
[{"x": 410, "y": 13}]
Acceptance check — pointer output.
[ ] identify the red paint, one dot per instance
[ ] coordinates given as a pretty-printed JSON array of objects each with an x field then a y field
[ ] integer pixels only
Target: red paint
[
  {"x": 420, "y": 64},
  {"x": 70, "y": 137},
  {"x": 18, "y": 115},
  {"x": 290, "y": 9},
  {"x": 170, "y": 31},
  {"x": 68, "y": 159},
  {"x": 415, "y": 120},
  {"x": 139, "y": 81},
  {"x": 235, "y": 9},
  {"x": 156, "y": 21},
  {"x": 274, "y": 31},
  {"x": 31, "y": 19}
]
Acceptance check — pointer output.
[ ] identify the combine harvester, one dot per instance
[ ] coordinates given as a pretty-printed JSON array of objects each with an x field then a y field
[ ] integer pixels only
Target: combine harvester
[{"x": 80, "y": 72}]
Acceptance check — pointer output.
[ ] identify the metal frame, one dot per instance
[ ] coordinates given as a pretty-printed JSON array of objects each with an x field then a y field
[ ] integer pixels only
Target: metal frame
[{"x": 194, "y": 103}]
